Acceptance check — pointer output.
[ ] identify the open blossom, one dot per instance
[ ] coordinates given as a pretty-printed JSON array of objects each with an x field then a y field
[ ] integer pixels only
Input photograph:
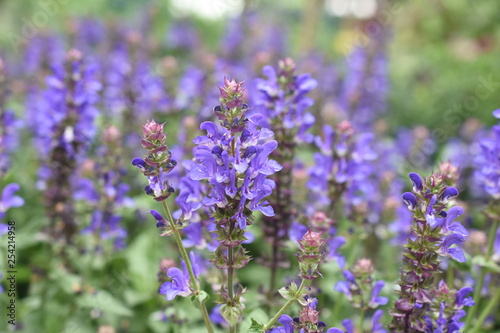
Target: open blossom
[
  {"x": 179, "y": 284},
  {"x": 157, "y": 162}
]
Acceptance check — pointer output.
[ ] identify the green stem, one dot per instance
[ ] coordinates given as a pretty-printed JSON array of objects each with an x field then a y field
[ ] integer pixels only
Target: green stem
[
  {"x": 479, "y": 286},
  {"x": 185, "y": 257},
  {"x": 361, "y": 320},
  {"x": 230, "y": 274},
  {"x": 487, "y": 310},
  {"x": 277, "y": 316}
]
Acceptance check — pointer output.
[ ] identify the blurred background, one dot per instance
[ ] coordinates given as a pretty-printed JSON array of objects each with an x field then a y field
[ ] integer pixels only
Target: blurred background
[{"x": 437, "y": 52}]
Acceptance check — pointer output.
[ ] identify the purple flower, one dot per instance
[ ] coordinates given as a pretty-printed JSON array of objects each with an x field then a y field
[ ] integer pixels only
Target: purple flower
[
  {"x": 455, "y": 252},
  {"x": 462, "y": 300},
  {"x": 416, "y": 180},
  {"x": 160, "y": 221},
  {"x": 216, "y": 317},
  {"x": 9, "y": 199},
  {"x": 287, "y": 323},
  {"x": 333, "y": 246},
  {"x": 297, "y": 231},
  {"x": 487, "y": 162},
  {"x": 282, "y": 98},
  {"x": 410, "y": 200},
  {"x": 377, "y": 327},
  {"x": 449, "y": 193},
  {"x": 178, "y": 286},
  {"x": 376, "y": 299},
  {"x": 221, "y": 168}
]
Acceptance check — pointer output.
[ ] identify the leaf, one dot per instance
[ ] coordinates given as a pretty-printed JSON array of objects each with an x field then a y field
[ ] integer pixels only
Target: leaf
[
  {"x": 199, "y": 299},
  {"x": 252, "y": 322},
  {"x": 256, "y": 327},
  {"x": 490, "y": 265},
  {"x": 104, "y": 301}
]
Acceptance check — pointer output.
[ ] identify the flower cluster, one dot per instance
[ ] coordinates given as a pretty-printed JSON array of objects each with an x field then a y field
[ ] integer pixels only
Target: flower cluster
[
  {"x": 108, "y": 192},
  {"x": 488, "y": 162},
  {"x": 63, "y": 123},
  {"x": 449, "y": 306},
  {"x": 434, "y": 232},
  {"x": 282, "y": 98},
  {"x": 341, "y": 162},
  {"x": 310, "y": 255},
  {"x": 359, "y": 287},
  {"x": 157, "y": 163},
  {"x": 8, "y": 124},
  {"x": 234, "y": 160}
]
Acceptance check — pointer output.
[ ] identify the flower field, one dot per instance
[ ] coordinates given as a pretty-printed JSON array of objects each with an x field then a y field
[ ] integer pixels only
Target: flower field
[{"x": 250, "y": 166}]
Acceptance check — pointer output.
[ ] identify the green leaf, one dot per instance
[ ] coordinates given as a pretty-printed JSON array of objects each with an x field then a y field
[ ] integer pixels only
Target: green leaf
[
  {"x": 252, "y": 322},
  {"x": 256, "y": 327},
  {"x": 231, "y": 314},
  {"x": 199, "y": 299},
  {"x": 490, "y": 265},
  {"x": 104, "y": 301}
]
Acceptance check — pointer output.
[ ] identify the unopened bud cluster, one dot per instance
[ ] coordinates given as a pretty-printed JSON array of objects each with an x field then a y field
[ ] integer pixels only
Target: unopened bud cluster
[
  {"x": 157, "y": 161},
  {"x": 231, "y": 111},
  {"x": 310, "y": 255}
]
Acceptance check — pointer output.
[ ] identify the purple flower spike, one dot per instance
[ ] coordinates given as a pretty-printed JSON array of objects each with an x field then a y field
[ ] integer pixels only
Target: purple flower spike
[
  {"x": 449, "y": 193},
  {"x": 496, "y": 113},
  {"x": 178, "y": 285},
  {"x": 410, "y": 200},
  {"x": 416, "y": 180}
]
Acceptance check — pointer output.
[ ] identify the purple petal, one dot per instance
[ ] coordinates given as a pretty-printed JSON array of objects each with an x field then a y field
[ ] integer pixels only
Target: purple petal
[
  {"x": 456, "y": 254},
  {"x": 416, "y": 180}
]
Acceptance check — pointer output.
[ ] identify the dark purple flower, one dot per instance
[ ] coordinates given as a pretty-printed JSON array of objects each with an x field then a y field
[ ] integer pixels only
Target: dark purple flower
[
  {"x": 410, "y": 200},
  {"x": 416, "y": 180},
  {"x": 449, "y": 193},
  {"x": 160, "y": 221}
]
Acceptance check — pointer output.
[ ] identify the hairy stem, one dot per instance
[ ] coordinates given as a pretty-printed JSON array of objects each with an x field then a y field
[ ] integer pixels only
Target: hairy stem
[
  {"x": 281, "y": 311},
  {"x": 194, "y": 282}
]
